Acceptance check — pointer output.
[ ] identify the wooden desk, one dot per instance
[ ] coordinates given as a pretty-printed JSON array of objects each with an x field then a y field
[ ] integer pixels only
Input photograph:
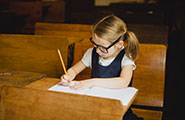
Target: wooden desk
[
  {"x": 80, "y": 107},
  {"x": 17, "y": 78},
  {"x": 35, "y": 102},
  {"x": 43, "y": 84}
]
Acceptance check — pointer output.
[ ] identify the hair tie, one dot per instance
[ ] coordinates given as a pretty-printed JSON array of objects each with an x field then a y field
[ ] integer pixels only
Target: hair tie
[{"x": 125, "y": 36}]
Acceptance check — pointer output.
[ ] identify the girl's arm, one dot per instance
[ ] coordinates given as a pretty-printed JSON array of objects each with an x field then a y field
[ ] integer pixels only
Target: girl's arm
[
  {"x": 116, "y": 82},
  {"x": 72, "y": 72},
  {"x": 76, "y": 69}
]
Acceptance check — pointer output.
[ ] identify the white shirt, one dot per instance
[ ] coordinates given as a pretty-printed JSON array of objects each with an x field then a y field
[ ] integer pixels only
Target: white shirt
[{"x": 87, "y": 60}]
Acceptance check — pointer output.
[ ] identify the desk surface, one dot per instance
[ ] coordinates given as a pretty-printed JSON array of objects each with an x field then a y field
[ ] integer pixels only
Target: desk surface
[
  {"x": 18, "y": 78},
  {"x": 43, "y": 84},
  {"x": 46, "y": 83}
]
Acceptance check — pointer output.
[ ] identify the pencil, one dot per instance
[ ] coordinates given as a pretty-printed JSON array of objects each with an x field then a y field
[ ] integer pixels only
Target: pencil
[{"x": 62, "y": 62}]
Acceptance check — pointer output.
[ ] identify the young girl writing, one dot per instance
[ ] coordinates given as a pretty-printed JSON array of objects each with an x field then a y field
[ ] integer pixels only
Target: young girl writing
[{"x": 111, "y": 63}]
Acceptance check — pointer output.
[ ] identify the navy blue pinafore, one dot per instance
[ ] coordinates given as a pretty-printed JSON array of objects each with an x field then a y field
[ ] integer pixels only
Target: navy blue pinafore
[{"x": 110, "y": 71}]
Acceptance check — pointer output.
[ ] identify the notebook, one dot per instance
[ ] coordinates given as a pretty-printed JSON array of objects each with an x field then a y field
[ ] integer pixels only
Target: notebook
[{"x": 124, "y": 95}]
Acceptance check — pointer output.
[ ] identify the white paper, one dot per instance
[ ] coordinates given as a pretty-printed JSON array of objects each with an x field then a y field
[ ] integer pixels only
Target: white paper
[
  {"x": 124, "y": 95},
  {"x": 67, "y": 89}
]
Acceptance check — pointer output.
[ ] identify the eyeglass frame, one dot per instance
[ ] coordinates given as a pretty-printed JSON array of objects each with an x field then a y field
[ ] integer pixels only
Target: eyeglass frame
[{"x": 106, "y": 48}]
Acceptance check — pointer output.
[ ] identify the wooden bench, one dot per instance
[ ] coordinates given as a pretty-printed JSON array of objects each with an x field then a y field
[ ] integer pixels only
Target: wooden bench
[
  {"x": 33, "y": 53},
  {"x": 59, "y": 29},
  {"x": 143, "y": 31},
  {"x": 68, "y": 30},
  {"x": 43, "y": 26},
  {"x": 149, "y": 78}
]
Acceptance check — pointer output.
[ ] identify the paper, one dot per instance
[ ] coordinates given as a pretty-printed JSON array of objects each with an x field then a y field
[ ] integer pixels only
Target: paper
[
  {"x": 124, "y": 95},
  {"x": 67, "y": 89}
]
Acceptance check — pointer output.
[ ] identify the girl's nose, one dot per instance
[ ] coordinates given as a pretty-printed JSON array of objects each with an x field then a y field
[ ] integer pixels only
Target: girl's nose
[{"x": 99, "y": 52}]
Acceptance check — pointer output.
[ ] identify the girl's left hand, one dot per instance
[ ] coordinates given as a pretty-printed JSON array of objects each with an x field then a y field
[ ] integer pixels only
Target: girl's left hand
[{"x": 82, "y": 84}]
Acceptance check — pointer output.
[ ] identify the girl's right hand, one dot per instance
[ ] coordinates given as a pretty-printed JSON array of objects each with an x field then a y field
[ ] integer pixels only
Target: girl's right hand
[{"x": 65, "y": 80}]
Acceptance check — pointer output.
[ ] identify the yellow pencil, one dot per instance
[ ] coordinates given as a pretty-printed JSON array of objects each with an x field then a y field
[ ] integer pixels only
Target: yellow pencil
[{"x": 62, "y": 62}]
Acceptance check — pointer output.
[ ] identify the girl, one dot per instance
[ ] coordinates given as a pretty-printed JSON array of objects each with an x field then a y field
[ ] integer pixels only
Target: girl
[{"x": 111, "y": 63}]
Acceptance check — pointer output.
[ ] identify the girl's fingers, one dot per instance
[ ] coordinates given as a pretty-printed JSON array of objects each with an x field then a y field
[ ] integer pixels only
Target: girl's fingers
[
  {"x": 64, "y": 80},
  {"x": 77, "y": 85},
  {"x": 67, "y": 78},
  {"x": 63, "y": 83}
]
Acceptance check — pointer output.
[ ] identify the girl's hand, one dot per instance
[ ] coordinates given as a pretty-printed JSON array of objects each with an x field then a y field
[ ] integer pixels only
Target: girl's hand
[
  {"x": 82, "y": 84},
  {"x": 65, "y": 80}
]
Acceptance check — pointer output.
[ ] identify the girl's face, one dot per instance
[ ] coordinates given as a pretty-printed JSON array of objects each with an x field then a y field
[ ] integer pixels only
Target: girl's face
[{"x": 102, "y": 42}]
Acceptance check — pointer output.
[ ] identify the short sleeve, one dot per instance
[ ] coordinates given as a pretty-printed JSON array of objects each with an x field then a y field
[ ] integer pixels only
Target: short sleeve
[
  {"x": 87, "y": 57},
  {"x": 127, "y": 61}
]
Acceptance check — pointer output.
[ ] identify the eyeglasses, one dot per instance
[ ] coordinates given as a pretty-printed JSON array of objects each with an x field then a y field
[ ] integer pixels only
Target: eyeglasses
[{"x": 102, "y": 48}]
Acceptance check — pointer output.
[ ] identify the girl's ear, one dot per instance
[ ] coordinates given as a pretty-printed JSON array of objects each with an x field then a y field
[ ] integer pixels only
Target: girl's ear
[{"x": 120, "y": 44}]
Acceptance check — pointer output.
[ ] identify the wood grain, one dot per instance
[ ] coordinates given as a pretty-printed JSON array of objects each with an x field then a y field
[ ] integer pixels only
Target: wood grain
[
  {"x": 61, "y": 29},
  {"x": 39, "y": 26},
  {"x": 43, "y": 84},
  {"x": 21, "y": 78},
  {"x": 17, "y": 78},
  {"x": 149, "y": 76},
  {"x": 33, "y": 53},
  {"x": 31, "y": 104}
]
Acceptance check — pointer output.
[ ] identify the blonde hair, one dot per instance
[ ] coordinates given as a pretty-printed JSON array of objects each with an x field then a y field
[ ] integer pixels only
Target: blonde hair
[{"x": 111, "y": 28}]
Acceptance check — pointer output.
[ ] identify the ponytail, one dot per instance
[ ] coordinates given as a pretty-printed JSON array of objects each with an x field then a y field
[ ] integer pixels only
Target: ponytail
[{"x": 132, "y": 48}]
